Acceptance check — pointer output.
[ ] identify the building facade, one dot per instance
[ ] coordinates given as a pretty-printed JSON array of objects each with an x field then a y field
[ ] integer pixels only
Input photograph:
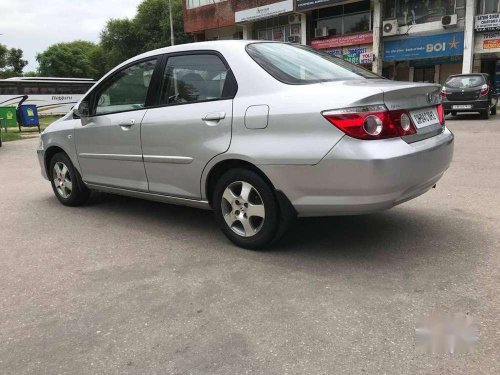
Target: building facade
[{"x": 408, "y": 40}]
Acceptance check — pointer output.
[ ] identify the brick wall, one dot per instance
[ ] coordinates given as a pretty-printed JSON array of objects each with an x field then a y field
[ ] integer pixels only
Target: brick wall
[{"x": 217, "y": 15}]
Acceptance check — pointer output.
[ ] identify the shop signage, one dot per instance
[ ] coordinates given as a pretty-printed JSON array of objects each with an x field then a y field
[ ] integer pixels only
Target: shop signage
[
  {"x": 488, "y": 22},
  {"x": 310, "y": 4},
  {"x": 421, "y": 47},
  {"x": 344, "y": 40},
  {"x": 357, "y": 55},
  {"x": 491, "y": 40},
  {"x": 265, "y": 11}
]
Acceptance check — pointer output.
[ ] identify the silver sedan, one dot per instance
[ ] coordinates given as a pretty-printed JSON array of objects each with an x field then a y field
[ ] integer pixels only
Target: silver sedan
[{"x": 260, "y": 132}]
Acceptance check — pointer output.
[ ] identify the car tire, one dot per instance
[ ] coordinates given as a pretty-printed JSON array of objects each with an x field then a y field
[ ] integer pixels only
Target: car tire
[
  {"x": 494, "y": 110},
  {"x": 453, "y": 113},
  {"x": 66, "y": 181},
  {"x": 246, "y": 209},
  {"x": 485, "y": 115}
]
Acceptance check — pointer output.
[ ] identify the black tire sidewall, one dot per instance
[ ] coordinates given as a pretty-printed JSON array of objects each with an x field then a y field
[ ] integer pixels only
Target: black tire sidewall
[
  {"x": 271, "y": 222},
  {"x": 79, "y": 194}
]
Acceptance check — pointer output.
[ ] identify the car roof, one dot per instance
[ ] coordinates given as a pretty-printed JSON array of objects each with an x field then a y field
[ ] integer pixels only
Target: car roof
[{"x": 213, "y": 44}]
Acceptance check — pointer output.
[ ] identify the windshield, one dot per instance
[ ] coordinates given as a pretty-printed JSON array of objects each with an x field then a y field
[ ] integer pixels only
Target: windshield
[
  {"x": 303, "y": 65},
  {"x": 464, "y": 82}
]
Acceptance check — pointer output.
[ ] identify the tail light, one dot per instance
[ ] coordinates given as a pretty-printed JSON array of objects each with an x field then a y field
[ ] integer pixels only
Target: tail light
[
  {"x": 442, "y": 93},
  {"x": 371, "y": 122},
  {"x": 484, "y": 89},
  {"x": 440, "y": 111}
]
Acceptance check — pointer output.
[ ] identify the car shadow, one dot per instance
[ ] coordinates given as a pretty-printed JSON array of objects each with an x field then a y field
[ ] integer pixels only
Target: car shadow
[
  {"x": 465, "y": 117},
  {"x": 400, "y": 233}
]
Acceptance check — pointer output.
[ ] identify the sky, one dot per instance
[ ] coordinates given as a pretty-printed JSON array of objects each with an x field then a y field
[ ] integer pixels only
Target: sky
[{"x": 33, "y": 25}]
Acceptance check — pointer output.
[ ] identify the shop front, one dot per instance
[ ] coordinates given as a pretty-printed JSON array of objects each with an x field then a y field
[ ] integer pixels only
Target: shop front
[
  {"x": 424, "y": 58},
  {"x": 487, "y": 46},
  {"x": 356, "y": 48},
  {"x": 275, "y": 22}
]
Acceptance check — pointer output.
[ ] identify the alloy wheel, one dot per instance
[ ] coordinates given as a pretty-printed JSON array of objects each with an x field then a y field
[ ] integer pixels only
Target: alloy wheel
[
  {"x": 62, "y": 180},
  {"x": 243, "y": 209}
]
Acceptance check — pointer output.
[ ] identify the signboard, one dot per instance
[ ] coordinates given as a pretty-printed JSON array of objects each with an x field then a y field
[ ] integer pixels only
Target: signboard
[
  {"x": 310, "y": 4},
  {"x": 343, "y": 40},
  {"x": 265, "y": 11},
  {"x": 422, "y": 47},
  {"x": 488, "y": 22},
  {"x": 487, "y": 42},
  {"x": 355, "y": 55},
  {"x": 491, "y": 40}
]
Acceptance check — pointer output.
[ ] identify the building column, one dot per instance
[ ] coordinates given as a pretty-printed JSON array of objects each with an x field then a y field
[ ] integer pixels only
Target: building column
[
  {"x": 411, "y": 74},
  {"x": 377, "y": 37},
  {"x": 303, "y": 29},
  {"x": 247, "y": 31},
  {"x": 470, "y": 12},
  {"x": 437, "y": 73}
]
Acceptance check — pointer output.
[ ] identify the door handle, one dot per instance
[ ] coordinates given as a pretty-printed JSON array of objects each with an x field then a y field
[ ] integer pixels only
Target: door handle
[
  {"x": 214, "y": 116},
  {"x": 126, "y": 123}
]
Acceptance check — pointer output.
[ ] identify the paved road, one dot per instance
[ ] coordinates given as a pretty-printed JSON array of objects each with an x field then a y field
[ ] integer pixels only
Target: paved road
[{"x": 128, "y": 286}]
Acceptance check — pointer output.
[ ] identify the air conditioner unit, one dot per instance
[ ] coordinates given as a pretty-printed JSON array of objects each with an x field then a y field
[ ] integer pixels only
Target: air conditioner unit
[
  {"x": 294, "y": 39},
  {"x": 390, "y": 27},
  {"x": 449, "y": 21},
  {"x": 321, "y": 32},
  {"x": 293, "y": 18}
]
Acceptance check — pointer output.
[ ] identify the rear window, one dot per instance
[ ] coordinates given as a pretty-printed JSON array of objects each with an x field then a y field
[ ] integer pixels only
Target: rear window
[
  {"x": 303, "y": 65},
  {"x": 464, "y": 82}
]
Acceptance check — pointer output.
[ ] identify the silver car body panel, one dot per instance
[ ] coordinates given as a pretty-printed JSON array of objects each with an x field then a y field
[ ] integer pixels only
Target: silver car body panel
[{"x": 170, "y": 151}]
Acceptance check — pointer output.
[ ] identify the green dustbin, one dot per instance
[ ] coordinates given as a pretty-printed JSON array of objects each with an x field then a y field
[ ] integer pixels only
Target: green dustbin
[{"x": 9, "y": 116}]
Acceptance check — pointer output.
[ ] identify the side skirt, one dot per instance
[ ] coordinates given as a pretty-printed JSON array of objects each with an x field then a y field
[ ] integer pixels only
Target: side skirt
[{"x": 152, "y": 197}]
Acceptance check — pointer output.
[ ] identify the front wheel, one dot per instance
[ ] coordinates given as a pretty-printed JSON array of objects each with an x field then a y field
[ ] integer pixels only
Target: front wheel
[
  {"x": 246, "y": 209},
  {"x": 66, "y": 181}
]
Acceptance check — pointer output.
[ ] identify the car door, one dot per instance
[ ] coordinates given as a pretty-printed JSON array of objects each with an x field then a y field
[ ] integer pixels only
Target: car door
[
  {"x": 190, "y": 124},
  {"x": 109, "y": 140}
]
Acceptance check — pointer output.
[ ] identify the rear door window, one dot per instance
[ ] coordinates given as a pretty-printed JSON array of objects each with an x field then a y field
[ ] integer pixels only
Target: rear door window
[{"x": 196, "y": 78}]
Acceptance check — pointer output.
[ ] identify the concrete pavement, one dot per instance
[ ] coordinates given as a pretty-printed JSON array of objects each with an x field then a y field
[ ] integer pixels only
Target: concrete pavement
[{"x": 134, "y": 287}]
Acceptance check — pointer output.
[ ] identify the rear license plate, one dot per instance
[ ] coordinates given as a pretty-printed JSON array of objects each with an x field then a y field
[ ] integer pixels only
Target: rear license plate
[
  {"x": 424, "y": 117},
  {"x": 462, "y": 106}
]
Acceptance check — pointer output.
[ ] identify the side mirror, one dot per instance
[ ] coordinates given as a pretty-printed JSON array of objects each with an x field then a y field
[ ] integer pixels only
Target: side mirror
[{"x": 82, "y": 110}]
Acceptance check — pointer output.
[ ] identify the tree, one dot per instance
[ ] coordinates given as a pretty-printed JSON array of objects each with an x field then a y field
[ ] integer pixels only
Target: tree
[
  {"x": 11, "y": 62},
  {"x": 73, "y": 59},
  {"x": 149, "y": 29}
]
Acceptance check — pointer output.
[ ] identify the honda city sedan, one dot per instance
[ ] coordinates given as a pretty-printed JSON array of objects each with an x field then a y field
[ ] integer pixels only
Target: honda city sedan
[{"x": 259, "y": 132}]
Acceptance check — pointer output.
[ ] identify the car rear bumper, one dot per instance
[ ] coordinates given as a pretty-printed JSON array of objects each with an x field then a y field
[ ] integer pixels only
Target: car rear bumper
[
  {"x": 358, "y": 176},
  {"x": 476, "y": 105}
]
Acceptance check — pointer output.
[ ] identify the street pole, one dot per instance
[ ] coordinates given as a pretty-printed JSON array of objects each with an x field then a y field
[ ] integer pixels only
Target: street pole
[{"x": 172, "y": 42}]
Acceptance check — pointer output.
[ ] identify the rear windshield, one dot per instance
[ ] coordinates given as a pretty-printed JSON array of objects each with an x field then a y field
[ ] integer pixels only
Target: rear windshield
[
  {"x": 303, "y": 65},
  {"x": 463, "y": 82}
]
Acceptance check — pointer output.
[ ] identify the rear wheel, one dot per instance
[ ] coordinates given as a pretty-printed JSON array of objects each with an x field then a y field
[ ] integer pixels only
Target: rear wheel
[
  {"x": 485, "y": 115},
  {"x": 494, "y": 110},
  {"x": 246, "y": 209},
  {"x": 66, "y": 181}
]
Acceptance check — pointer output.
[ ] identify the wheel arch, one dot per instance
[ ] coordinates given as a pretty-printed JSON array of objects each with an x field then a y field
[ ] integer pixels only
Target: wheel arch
[
  {"x": 222, "y": 166},
  {"x": 49, "y": 154}
]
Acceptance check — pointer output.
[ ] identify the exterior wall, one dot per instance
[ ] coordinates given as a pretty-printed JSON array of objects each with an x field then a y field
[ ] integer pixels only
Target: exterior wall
[{"x": 216, "y": 15}]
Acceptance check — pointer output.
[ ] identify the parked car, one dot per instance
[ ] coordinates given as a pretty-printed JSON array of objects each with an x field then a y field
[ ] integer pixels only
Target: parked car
[
  {"x": 469, "y": 93},
  {"x": 257, "y": 131}
]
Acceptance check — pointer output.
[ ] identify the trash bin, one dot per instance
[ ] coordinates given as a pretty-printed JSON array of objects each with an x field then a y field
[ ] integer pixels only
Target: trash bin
[
  {"x": 9, "y": 116},
  {"x": 28, "y": 115}
]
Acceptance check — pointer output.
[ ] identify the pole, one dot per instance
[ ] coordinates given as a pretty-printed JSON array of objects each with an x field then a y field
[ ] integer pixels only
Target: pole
[{"x": 172, "y": 42}]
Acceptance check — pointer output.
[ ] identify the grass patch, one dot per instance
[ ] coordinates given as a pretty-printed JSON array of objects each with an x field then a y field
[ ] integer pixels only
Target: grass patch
[
  {"x": 7, "y": 137},
  {"x": 13, "y": 133}
]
